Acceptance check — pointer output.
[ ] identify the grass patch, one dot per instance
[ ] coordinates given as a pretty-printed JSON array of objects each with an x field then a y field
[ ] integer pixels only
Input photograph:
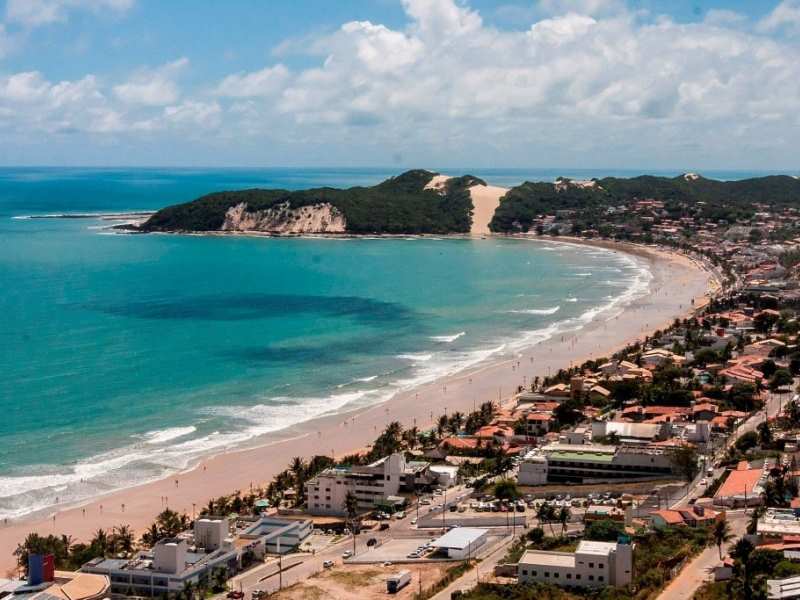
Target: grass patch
[{"x": 712, "y": 591}]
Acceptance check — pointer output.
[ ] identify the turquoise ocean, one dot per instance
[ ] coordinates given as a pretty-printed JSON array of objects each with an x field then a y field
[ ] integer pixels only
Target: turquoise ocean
[{"x": 126, "y": 357}]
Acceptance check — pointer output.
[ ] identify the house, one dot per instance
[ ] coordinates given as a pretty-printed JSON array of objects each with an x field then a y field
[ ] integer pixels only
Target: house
[
  {"x": 599, "y": 393},
  {"x": 743, "y": 487},
  {"x": 693, "y": 516},
  {"x": 630, "y": 433},
  {"x": 704, "y": 411},
  {"x": 559, "y": 390},
  {"x": 660, "y": 356},
  {"x": 538, "y": 423},
  {"x": 592, "y": 565},
  {"x": 742, "y": 374}
]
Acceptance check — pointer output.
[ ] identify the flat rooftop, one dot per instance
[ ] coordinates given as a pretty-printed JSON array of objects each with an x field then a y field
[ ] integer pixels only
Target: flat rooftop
[
  {"x": 548, "y": 559},
  {"x": 598, "y": 548},
  {"x": 460, "y": 537}
]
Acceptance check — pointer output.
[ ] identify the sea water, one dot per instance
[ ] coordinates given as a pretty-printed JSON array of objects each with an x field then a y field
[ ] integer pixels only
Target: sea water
[{"x": 126, "y": 357}]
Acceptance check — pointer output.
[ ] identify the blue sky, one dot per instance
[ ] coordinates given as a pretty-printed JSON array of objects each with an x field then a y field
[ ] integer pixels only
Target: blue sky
[{"x": 527, "y": 83}]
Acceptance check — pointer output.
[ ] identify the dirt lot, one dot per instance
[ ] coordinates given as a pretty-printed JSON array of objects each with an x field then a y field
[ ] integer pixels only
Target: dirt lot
[
  {"x": 625, "y": 487},
  {"x": 364, "y": 582}
]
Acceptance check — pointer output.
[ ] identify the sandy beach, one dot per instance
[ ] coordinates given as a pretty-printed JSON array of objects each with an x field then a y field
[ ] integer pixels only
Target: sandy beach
[{"x": 677, "y": 282}]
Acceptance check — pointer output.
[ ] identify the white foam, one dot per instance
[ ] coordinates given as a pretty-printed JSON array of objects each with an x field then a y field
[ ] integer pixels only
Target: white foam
[
  {"x": 571, "y": 300},
  {"x": 416, "y": 357},
  {"x": 536, "y": 311},
  {"x": 165, "y": 435},
  {"x": 448, "y": 339}
]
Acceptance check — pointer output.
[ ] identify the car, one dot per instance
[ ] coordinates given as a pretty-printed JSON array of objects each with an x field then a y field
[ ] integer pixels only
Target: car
[
  {"x": 371, "y": 542},
  {"x": 383, "y": 527},
  {"x": 520, "y": 508},
  {"x": 453, "y": 507},
  {"x": 425, "y": 501},
  {"x": 704, "y": 481},
  {"x": 400, "y": 515},
  {"x": 234, "y": 595},
  {"x": 347, "y": 554},
  {"x": 328, "y": 564},
  {"x": 414, "y": 521},
  {"x": 412, "y": 555},
  {"x": 388, "y": 563}
]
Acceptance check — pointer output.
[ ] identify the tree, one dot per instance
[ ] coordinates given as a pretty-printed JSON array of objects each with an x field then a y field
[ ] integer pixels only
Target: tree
[
  {"x": 793, "y": 412},
  {"x": 721, "y": 534},
  {"x": 351, "y": 507},
  {"x": 747, "y": 441},
  {"x": 604, "y": 530},
  {"x": 684, "y": 462},
  {"x": 781, "y": 378},
  {"x": 563, "y": 517},
  {"x": 765, "y": 437},
  {"x": 506, "y": 489}
]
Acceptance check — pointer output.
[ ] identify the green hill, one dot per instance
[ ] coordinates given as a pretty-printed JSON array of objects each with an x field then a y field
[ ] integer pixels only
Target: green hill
[
  {"x": 400, "y": 205},
  {"x": 707, "y": 198}
]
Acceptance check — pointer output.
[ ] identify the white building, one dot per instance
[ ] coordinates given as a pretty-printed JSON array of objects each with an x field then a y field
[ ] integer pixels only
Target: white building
[
  {"x": 593, "y": 564},
  {"x": 462, "y": 542},
  {"x": 783, "y": 589},
  {"x": 373, "y": 484},
  {"x": 186, "y": 559}
]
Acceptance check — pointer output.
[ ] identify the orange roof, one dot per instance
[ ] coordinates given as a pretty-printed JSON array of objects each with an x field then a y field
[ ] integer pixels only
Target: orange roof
[
  {"x": 671, "y": 517},
  {"x": 539, "y": 417},
  {"x": 460, "y": 443},
  {"x": 740, "y": 482}
]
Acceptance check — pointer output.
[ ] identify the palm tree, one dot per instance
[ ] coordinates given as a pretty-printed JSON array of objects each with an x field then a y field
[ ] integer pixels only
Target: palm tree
[
  {"x": 100, "y": 542},
  {"x": 441, "y": 426},
  {"x": 721, "y": 534},
  {"x": 123, "y": 538},
  {"x": 563, "y": 516},
  {"x": 351, "y": 507},
  {"x": 455, "y": 421}
]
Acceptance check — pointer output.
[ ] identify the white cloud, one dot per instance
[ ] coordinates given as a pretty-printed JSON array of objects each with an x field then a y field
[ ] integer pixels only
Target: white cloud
[
  {"x": 265, "y": 82},
  {"x": 152, "y": 87},
  {"x": 581, "y": 7},
  {"x": 786, "y": 14},
  {"x": 585, "y": 81},
  {"x": 34, "y": 13}
]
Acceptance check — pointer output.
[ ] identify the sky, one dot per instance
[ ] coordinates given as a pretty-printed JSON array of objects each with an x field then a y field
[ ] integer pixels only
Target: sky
[{"x": 669, "y": 84}]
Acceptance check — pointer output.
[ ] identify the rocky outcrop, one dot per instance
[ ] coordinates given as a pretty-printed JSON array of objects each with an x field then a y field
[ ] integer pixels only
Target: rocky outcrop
[{"x": 282, "y": 218}]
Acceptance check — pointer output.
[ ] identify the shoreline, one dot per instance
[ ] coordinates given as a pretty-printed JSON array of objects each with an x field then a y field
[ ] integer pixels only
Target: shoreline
[{"x": 352, "y": 430}]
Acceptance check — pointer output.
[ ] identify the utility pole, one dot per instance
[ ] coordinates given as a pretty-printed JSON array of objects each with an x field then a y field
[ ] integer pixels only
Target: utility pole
[{"x": 444, "y": 510}]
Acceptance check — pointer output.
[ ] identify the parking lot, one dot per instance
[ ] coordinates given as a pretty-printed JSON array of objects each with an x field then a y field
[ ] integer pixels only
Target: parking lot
[{"x": 393, "y": 550}]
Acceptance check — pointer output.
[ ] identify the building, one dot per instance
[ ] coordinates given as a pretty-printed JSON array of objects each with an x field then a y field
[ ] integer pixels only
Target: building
[
  {"x": 462, "y": 542},
  {"x": 692, "y": 516},
  {"x": 776, "y": 523},
  {"x": 214, "y": 545},
  {"x": 589, "y": 463},
  {"x": 593, "y": 564},
  {"x": 374, "y": 485},
  {"x": 45, "y": 583},
  {"x": 743, "y": 487},
  {"x": 783, "y": 589},
  {"x": 631, "y": 433}
]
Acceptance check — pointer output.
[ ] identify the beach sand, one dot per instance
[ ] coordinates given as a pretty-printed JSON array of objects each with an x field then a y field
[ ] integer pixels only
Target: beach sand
[
  {"x": 485, "y": 200},
  {"x": 677, "y": 281}
]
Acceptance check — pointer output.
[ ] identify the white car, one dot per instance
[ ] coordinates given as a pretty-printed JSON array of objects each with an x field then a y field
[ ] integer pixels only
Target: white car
[
  {"x": 347, "y": 554},
  {"x": 704, "y": 481},
  {"x": 414, "y": 521},
  {"x": 400, "y": 515}
]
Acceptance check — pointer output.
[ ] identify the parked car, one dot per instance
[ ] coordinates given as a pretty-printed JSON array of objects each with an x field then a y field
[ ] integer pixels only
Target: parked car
[
  {"x": 400, "y": 515},
  {"x": 414, "y": 521},
  {"x": 383, "y": 527},
  {"x": 371, "y": 542},
  {"x": 234, "y": 595},
  {"x": 327, "y": 564},
  {"x": 347, "y": 554}
]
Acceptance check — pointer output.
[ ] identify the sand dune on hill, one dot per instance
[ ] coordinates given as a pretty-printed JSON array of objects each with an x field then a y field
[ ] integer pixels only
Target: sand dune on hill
[{"x": 485, "y": 199}]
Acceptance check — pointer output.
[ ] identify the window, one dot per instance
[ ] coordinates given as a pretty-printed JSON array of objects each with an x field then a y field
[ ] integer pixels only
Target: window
[
  {"x": 555, "y": 574},
  {"x": 577, "y": 576},
  {"x": 599, "y": 578},
  {"x": 591, "y": 577},
  {"x": 569, "y": 575},
  {"x": 600, "y": 566},
  {"x": 591, "y": 565},
  {"x": 524, "y": 571},
  {"x": 534, "y": 573},
  {"x": 547, "y": 573}
]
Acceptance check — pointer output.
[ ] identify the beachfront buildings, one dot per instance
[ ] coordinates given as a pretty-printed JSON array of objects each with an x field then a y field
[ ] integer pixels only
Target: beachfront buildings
[
  {"x": 591, "y": 463},
  {"x": 375, "y": 485},
  {"x": 593, "y": 564},
  {"x": 215, "y": 545}
]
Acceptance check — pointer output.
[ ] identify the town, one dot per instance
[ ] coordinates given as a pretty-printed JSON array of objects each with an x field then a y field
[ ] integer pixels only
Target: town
[{"x": 668, "y": 470}]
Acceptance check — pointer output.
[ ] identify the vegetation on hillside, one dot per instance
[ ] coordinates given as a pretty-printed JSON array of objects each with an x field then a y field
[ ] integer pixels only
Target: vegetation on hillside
[
  {"x": 599, "y": 206},
  {"x": 400, "y": 205}
]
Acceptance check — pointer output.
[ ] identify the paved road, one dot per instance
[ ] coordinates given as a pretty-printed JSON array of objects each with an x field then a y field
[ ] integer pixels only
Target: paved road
[
  {"x": 470, "y": 579},
  {"x": 699, "y": 570}
]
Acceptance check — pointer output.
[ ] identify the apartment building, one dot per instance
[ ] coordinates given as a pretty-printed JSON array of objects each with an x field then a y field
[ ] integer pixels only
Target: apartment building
[{"x": 373, "y": 485}]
